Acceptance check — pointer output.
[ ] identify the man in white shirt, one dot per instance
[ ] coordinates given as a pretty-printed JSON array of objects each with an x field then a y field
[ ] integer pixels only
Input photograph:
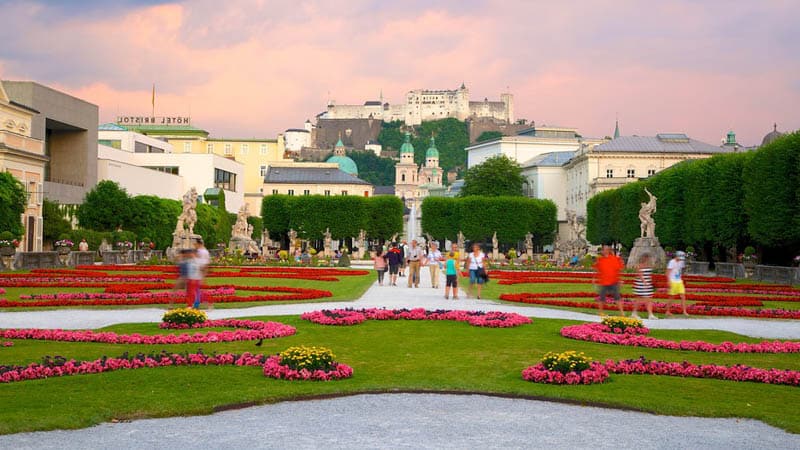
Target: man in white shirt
[
  {"x": 434, "y": 263},
  {"x": 413, "y": 256},
  {"x": 202, "y": 259},
  {"x": 676, "y": 286}
]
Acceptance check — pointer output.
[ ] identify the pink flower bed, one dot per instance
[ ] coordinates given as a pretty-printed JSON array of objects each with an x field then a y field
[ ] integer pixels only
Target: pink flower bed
[
  {"x": 595, "y": 332},
  {"x": 8, "y": 344},
  {"x": 274, "y": 369},
  {"x": 492, "y": 319},
  {"x": 60, "y": 367},
  {"x": 596, "y": 373},
  {"x": 686, "y": 369},
  {"x": 251, "y": 330}
]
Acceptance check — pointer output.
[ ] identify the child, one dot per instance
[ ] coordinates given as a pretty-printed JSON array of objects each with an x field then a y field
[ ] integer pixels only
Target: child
[
  {"x": 643, "y": 287},
  {"x": 380, "y": 265},
  {"x": 451, "y": 275}
]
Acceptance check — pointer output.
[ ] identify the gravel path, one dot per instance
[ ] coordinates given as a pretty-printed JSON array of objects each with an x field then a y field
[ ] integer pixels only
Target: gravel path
[
  {"x": 417, "y": 421},
  {"x": 388, "y": 297}
]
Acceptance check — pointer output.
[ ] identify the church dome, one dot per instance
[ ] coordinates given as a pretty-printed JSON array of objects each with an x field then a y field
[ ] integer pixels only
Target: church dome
[
  {"x": 771, "y": 136},
  {"x": 432, "y": 152},
  {"x": 346, "y": 164},
  {"x": 407, "y": 147}
]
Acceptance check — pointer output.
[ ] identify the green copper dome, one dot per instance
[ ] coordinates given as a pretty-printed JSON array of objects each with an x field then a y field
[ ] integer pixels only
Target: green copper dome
[
  {"x": 407, "y": 147},
  {"x": 339, "y": 143},
  {"x": 346, "y": 164},
  {"x": 432, "y": 151}
]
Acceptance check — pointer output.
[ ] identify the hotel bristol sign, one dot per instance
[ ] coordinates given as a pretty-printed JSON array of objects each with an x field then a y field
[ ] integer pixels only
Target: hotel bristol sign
[{"x": 154, "y": 120}]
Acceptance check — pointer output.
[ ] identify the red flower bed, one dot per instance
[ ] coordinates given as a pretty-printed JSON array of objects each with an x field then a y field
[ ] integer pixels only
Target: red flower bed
[
  {"x": 546, "y": 298},
  {"x": 686, "y": 369},
  {"x": 251, "y": 330},
  {"x": 637, "y": 337},
  {"x": 491, "y": 319},
  {"x": 274, "y": 369},
  {"x": 596, "y": 373}
]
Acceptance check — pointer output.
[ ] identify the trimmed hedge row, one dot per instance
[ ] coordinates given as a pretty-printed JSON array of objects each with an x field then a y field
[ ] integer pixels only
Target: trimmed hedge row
[
  {"x": 344, "y": 215},
  {"x": 480, "y": 217},
  {"x": 731, "y": 200}
]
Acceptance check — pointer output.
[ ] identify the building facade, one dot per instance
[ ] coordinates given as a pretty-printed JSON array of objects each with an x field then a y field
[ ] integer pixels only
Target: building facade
[
  {"x": 412, "y": 182},
  {"x": 425, "y": 105},
  {"x": 23, "y": 157},
  {"x": 255, "y": 155}
]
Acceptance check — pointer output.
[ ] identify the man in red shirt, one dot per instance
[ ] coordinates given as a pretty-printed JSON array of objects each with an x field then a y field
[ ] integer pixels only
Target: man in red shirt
[{"x": 608, "y": 268}]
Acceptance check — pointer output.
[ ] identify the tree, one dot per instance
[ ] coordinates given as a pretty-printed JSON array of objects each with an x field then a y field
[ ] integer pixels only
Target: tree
[
  {"x": 154, "y": 218},
  {"x": 390, "y": 137},
  {"x": 489, "y": 136},
  {"x": 497, "y": 176},
  {"x": 384, "y": 216},
  {"x": 105, "y": 208},
  {"x": 12, "y": 204},
  {"x": 374, "y": 169},
  {"x": 452, "y": 138},
  {"x": 53, "y": 222}
]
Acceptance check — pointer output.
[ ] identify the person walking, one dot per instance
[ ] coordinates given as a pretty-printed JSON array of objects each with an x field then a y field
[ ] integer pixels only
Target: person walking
[
  {"x": 608, "y": 268},
  {"x": 643, "y": 286},
  {"x": 413, "y": 256},
  {"x": 674, "y": 277},
  {"x": 380, "y": 265},
  {"x": 403, "y": 247},
  {"x": 203, "y": 260},
  {"x": 451, "y": 275},
  {"x": 393, "y": 258},
  {"x": 191, "y": 269},
  {"x": 434, "y": 264},
  {"x": 476, "y": 268}
]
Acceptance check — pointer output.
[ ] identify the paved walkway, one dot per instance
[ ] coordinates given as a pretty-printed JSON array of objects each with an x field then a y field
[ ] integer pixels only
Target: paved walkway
[
  {"x": 418, "y": 421},
  {"x": 398, "y": 296}
]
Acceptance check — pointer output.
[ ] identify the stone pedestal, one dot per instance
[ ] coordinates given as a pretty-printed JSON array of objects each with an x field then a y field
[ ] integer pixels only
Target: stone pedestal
[
  {"x": 181, "y": 240},
  {"x": 246, "y": 245},
  {"x": 647, "y": 245},
  {"x": 495, "y": 254}
]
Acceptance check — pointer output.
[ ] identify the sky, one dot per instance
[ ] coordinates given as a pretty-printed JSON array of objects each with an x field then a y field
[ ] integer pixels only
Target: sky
[{"x": 253, "y": 68}]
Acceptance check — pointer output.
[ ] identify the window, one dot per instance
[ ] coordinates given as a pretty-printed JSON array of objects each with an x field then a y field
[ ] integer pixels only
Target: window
[
  {"x": 225, "y": 180},
  {"x": 403, "y": 177},
  {"x": 274, "y": 192},
  {"x": 631, "y": 173},
  {"x": 113, "y": 143},
  {"x": 609, "y": 173},
  {"x": 166, "y": 169},
  {"x": 263, "y": 149},
  {"x": 327, "y": 193},
  {"x": 306, "y": 192},
  {"x": 344, "y": 192},
  {"x": 228, "y": 149},
  {"x": 263, "y": 171},
  {"x": 210, "y": 148},
  {"x": 140, "y": 147},
  {"x": 244, "y": 149},
  {"x": 651, "y": 172},
  {"x": 291, "y": 192},
  {"x": 187, "y": 147}
]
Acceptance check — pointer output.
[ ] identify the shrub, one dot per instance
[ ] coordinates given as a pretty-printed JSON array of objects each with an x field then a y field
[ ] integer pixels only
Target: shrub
[
  {"x": 184, "y": 316},
  {"x": 12, "y": 205},
  {"x": 309, "y": 358},
  {"x": 622, "y": 323},
  {"x": 566, "y": 362}
]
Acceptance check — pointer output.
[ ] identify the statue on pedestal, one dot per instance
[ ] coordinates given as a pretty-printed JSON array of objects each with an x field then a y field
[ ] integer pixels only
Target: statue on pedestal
[
  {"x": 242, "y": 232},
  {"x": 495, "y": 253},
  {"x": 460, "y": 242},
  {"x": 648, "y": 225},
  {"x": 529, "y": 244},
  {"x": 327, "y": 250},
  {"x": 183, "y": 237},
  {"x": 292, "y": 239}
]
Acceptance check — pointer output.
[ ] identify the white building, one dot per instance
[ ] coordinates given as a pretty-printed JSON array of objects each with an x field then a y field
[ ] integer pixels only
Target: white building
[
  {"x": 424, "y": 105},
  {"x": 296, "y": 138},
  {"x": 147, "y": 166}
]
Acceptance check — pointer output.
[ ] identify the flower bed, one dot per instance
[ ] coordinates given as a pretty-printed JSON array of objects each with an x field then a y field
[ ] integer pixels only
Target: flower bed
[
  {"x": 491, "y": 319},
  {"x": 624, "y": 324},
  {"x": 183, "y": 317},
  {"x": 566, "y": 368},
  {"x": 61, "y": 367},
  {"x": 553, "y": 299},
  {"x": 600, "y": 333},
  {"x": 274, "y": 369},
  {"x": 686, "y": 369},
  {"x": 250, "y": 330}
]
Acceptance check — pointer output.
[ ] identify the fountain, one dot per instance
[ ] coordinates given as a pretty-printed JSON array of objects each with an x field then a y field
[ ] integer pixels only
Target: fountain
[{"x": 412, "y": 223}]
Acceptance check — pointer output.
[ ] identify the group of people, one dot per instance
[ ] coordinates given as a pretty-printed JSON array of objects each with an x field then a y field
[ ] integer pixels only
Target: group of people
[
  {"x": 399, "y": 258},
  {"x": 192, "y": 270},
  {"x": 609, "y": 267}
]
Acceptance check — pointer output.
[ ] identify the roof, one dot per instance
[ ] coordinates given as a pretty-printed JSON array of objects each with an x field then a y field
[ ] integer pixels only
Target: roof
[
  {"x": 170, "y": 130},
  {"x": 661, "y": 143},
  {"x": 407, "y": 147},
  {"x": 111, "y": 127},
  {"x": 552, "y": 159},
  {"x": 310, "y": 175},
  {"x": 297, "y": 130},
  {"x": 372, "y": 103},
  {"x": 345, "y": 164},
  {"x": 771, "y": 136},
  {"x": 383, "y": 190},
  {"x": 432, "y": 151}
]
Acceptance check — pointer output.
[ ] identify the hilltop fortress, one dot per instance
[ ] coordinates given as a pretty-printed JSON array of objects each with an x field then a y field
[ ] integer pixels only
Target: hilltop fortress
[{"x": 423, "y": 105}]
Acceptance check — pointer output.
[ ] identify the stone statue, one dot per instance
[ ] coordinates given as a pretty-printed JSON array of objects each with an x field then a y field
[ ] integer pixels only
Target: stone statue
[
  {"x": 495, "y": 251},
  {"x": 266, "y": 242},
  {"x": 648, "y": 225},
  {"x": 576, "y": 224},
  {"x": 327, "y": 250},
  {"x": 241, "y": 229},
  {"x": 188, "y": 217},
  {"x": 460, "y": 240},
  {"x": 529, "y": 244},
  {"x": 494, "y": 240},
  {"x": 393, "y": 238},
  {"x": 292, "y": 239}
]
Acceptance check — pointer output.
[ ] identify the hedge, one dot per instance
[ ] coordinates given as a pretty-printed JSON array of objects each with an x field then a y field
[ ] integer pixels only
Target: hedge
[
  {"x": 730, "y": 200},
  {"x": 344, "y": 215},
  {"x": 478, "y": 218}
]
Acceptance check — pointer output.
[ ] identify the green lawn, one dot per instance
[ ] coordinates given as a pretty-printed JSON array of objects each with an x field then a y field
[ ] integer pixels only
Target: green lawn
[{"x": 386, "y": 356}]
